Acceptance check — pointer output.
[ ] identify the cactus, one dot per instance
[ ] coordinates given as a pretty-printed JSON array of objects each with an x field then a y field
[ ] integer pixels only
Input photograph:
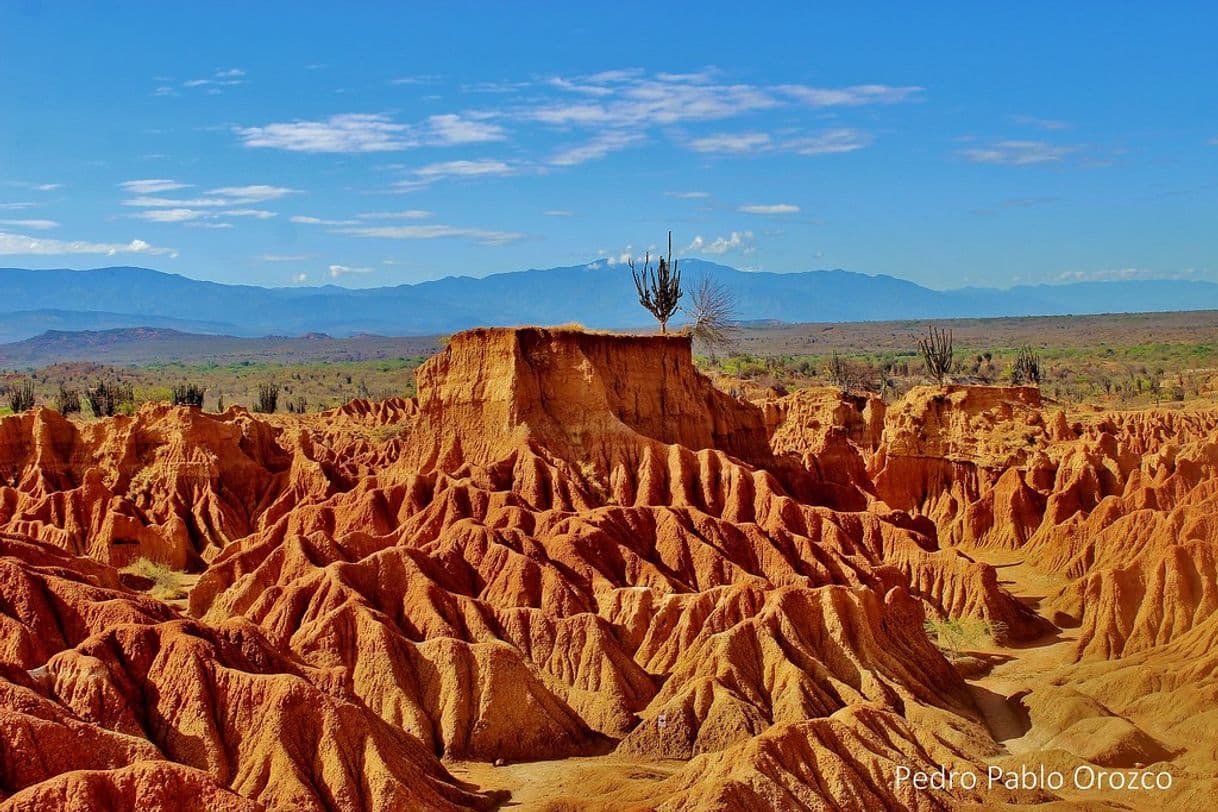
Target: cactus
[
  {"x": 937, "y": 353},
  {"x": 659, "y": 290}
]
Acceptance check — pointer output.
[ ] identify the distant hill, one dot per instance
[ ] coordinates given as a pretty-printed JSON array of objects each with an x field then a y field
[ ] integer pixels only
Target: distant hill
[{"x": 596, "y": 295}]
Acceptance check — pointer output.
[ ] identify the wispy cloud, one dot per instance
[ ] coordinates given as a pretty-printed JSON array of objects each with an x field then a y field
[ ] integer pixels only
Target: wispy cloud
[
  {"x": 32, "y": 186},
  {"x": 342, "y": 270},
  {"x": 1127, "y": 274},
  {"x": 836, "y": 140},
  {"x": 37, "y": 225},
  {"x": 21, "y": 244},
  {"x": 737, "y": 240},
  {"x": 214, "y": 84},
  {"x": 735, "y": 143},
  {"x": 257, "y": 214},
  {"x": 597, "y": 148},
  {"x": 853, "y": 96},
  {"x": 371, "y": 132},
  {"x": 769, "y": 208},
  {"x": 17, "y": 206},
  {"x": 431, "y": 173},
  {"x": 320, "y": 221},
  {"x": 284, "y": 257},
  {"x": 253, "y": 194},
  {"x": 452, "y": 128},
  {"x": 558, "y": 213},
  {"x": 433, "y": 232},
  {"x": 152, "y": 186},
  {"x": 408, "y": 214},
  {"x": 688, "y": 195},
  {"x": 1018, "y": 153}
]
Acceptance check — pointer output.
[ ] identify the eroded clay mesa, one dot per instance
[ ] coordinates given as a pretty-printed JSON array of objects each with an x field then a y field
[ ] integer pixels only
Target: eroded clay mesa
[{"x": 571, "y": 544}]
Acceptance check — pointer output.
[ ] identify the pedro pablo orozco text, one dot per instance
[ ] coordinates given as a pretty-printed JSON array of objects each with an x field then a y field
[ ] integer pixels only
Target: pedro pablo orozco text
[{"x": 1084, "y": 777}]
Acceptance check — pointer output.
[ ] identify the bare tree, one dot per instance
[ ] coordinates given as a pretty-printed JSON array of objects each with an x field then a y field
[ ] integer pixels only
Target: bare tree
[
  {"x": 660, "y": 289},
  {"x": 712, "y": 314},
  {"x": 937, "y": 353}
]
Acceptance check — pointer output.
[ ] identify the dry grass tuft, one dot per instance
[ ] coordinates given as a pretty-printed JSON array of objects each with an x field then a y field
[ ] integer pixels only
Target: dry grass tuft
[{"x": 167, "y": 584}]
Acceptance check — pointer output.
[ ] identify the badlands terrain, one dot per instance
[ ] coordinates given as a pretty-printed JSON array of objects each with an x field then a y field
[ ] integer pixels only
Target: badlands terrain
[{"x": 571, "y": 573}]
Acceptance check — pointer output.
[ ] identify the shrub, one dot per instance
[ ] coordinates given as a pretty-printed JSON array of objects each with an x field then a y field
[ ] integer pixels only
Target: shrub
[
  {"x": 108, "y": 398},
  {"x": 21, "y": 396},
  {"x": 167, "y": 584},
  {"x": 712, "y": 315},
  {"x": 298, "y": 405},
  {"x": 954, "y": 634},
  {"x": 268, "y": 398},
  {"x": 187, "y": 394},
  {"x": 67, "y": 401}
]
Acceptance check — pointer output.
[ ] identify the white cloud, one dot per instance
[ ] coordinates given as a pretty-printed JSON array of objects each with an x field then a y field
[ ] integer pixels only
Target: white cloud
[
  {"x": 853, "y": 96},
  {"x": 1126, "y": 274},
  {"x": 840, "y": 139},
  {"x": 742, "y": 240},
  {"x": 408, "y": 214},
  {"x": 228, "y": 77},
  {"x": 348, "y": 133},
  {"x": 1018, "y": 153},
  {"x": 21, "y": 244},
  {"x": 300, "y": 278},
  {"x": 771, "y": 208},
  {"x": 319, "y": 221},
  {"x": 735, "y": 143},
  {"x": 178, "y": 215},
  {"x": 372, "y": 132},
  {"x": 828, "y": 142},
  {"x": 341, "y": 270},
  {"x": 37, "y": 225},
  {"x": 558, "y": 213},
  {"x": 16, "y": 206},
  {"x": 35, "y": 187},
  {"x": 431, "y": 173},
  {"x": 432, "y": 232},
  {"x": 257, "y": 214},
  {"x": 688, "y": 195},
  {"x": 152, "y": 186},
  {"x": 145, "y": 201},
  {"x": 597, "y": 148},
  {"x": 284, "y": 257},
  {"x": 451, "y": 128},
  {"x": 253, "y": 194}
]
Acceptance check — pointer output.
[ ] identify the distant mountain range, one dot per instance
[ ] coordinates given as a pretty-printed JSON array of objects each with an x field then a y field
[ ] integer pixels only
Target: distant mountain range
[{"x": 596, "y": 295}]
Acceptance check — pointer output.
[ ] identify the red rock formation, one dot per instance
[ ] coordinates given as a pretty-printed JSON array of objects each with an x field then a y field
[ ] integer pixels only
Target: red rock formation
[{"x": 568, "y": 544}]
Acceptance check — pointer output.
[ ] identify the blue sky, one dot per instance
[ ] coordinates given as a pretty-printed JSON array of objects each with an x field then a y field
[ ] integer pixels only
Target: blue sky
[{"x": 374, "y": 144}]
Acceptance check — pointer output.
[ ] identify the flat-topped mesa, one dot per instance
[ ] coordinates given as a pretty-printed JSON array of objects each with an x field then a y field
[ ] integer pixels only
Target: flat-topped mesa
[{"x": 579, "y": 396}]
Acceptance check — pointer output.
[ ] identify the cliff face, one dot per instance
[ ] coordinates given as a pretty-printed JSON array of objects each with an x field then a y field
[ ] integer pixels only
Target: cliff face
[
  {"x": 582, "y": 396},
  {"x": 568, "y": 544}
]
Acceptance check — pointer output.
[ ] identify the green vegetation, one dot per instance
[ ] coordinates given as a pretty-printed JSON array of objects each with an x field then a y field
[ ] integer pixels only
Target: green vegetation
[
  {"x": 167, "y": 584},
  {"x": 955, "y": 634}
]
